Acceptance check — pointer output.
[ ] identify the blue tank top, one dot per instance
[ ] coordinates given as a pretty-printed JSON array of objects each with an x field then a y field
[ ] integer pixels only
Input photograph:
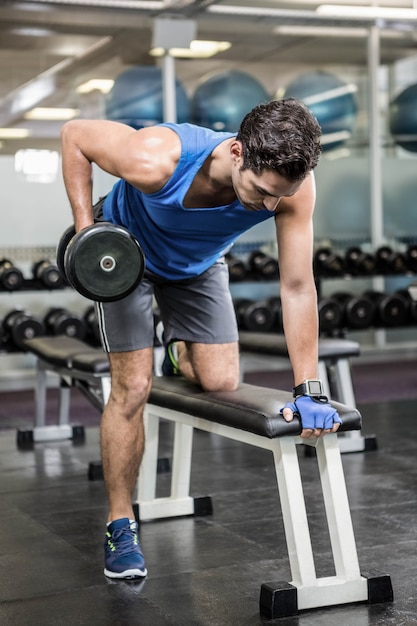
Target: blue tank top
[{"x": 179, "y": 242}]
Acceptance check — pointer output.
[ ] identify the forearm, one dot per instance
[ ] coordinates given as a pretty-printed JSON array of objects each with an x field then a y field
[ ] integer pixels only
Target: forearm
[
  {"x": 78, "y": 179},
  {"x": 300, "y": 320}
]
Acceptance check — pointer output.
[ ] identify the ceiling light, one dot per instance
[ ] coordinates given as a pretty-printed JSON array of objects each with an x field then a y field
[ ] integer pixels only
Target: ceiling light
[
  {"x": 32, "y": 32},
  {"x": 51, "y": 114},
  {"x": 96, "y": 84},
  {"x": 330, "y": 94},
  {"x": 14, "y": 133},
  {"x": 366, "y": 12},
  {"x": 320, "y": 31},
  {"x": 198, "y": 49}
]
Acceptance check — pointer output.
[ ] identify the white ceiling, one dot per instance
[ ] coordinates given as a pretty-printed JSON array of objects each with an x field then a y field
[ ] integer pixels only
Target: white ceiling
[{"x": 59, "y": 44}]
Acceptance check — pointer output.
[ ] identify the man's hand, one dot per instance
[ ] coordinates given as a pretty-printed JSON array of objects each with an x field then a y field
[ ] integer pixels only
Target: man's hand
[{"x": 317, "y": 416}]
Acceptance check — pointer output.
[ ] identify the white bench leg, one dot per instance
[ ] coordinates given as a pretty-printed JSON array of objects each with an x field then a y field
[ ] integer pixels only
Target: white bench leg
[
  {"x": 347, "y": 585},
  {"x": 179, "y": 502}
]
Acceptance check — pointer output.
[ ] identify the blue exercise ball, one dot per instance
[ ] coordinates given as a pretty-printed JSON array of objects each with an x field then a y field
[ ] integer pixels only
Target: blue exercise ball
[
  {"x": 222, "y": 100},
  {"x": 331, "y": 101},
  {"x": 136, "y": 98},
  {"x": 403, "y": 119}
]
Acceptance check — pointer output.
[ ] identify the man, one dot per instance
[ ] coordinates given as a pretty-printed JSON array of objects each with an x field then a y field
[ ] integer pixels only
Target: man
[{"x": 187, "y": 193}]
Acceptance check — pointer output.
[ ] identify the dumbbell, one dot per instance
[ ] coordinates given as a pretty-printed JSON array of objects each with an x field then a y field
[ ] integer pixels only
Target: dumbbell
[
  {"x": 91, "y": 324},
  {"x": 411, "y": 304},
  {"x": 359, "y": 263},
  {"x": 253, "y": 315},
  {"x": 11, "y": 278},
  {"x": 390, "y": 309},
  {"x": 358, "y": 310},
  {"x": 330, "y": 315},
  {"x": 275, "y": 306},
  {"x": 20, "y": 325},
  {"x": 327, "y": 263},
  {"x": 103, "y": 262},
  {"x": 237, "y": 268},
  {"x": 390, "y": 261},
  {"x": 59, "y": 321},
  {"x": 48, "y": 274},
  {"x": 411, "y": 257},
  {"x": 263, "y": 265}
]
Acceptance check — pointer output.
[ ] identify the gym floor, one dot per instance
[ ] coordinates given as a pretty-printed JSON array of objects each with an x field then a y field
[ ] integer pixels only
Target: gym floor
[{"x": 202, "y": 571}]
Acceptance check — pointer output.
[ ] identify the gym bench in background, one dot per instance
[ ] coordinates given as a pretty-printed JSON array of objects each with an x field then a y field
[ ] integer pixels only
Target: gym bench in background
[{"x": 249, "y": 415}]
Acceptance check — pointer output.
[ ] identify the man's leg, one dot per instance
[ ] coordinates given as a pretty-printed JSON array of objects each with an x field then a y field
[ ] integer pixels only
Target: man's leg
[
  {"x": 213, "y": 366},
  {"x": 122, "y": 444}
]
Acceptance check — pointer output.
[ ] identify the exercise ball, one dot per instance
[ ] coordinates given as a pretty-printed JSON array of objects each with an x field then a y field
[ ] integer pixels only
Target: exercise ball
[
  {"x": 136, "y": 98},
  {"x": 331, "y": 101},
  {"x": 220, "y": 101},
  {"x": 403, "y": 119}
]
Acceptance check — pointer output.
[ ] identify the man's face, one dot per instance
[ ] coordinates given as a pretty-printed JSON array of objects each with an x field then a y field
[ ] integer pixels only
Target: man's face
[{"x": 257, "y": 193}]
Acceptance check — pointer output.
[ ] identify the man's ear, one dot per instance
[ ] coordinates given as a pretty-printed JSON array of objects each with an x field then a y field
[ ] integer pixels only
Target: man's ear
[{"x": 236, "y": 151}]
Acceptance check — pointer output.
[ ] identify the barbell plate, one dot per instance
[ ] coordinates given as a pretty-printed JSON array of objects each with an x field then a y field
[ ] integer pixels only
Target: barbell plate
[{"x": 104, "y": 262}]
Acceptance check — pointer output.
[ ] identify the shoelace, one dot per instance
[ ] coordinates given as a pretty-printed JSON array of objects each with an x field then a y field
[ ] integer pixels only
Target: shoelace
[{"x": 124, "y": 546}]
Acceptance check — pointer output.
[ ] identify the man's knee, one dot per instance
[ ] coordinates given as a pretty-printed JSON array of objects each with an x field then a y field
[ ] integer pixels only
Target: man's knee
[{"x": 219, "y": 381}]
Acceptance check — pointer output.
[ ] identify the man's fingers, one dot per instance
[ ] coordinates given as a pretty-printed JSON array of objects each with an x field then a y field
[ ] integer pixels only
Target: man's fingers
[{"x": 287, "y": 414}]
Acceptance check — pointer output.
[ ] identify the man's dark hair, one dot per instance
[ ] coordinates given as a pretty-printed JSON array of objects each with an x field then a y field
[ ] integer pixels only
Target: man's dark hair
[{"x": 281, "y": 135}]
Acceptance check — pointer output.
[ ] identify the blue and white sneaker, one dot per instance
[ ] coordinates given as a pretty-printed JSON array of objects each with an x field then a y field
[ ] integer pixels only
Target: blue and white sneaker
[
  {"x": 170, "y": 363},
  {"x": 123, "y": 556}
]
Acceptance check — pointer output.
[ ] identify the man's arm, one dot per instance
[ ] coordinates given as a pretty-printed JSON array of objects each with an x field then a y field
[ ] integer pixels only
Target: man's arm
[
  {"x": 297, "y": 287},
  {"x": 144, "y": 158}
]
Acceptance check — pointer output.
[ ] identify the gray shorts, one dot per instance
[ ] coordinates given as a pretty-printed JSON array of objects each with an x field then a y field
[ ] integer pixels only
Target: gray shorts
[{"x": 198, "y": 309}]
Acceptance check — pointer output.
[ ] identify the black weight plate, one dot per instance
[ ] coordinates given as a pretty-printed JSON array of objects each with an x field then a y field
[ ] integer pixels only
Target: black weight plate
[
  {"x": 104, "y": 262},
  {"x": 360, "y": 312},
  {"x": 62, "y": 247},
  {"x": 26, "y": 327}
]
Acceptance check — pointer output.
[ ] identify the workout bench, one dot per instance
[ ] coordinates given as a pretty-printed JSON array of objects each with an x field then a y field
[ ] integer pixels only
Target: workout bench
[
  {"x": 249, "y": 415},
  {"x": 334, "y": 371}
]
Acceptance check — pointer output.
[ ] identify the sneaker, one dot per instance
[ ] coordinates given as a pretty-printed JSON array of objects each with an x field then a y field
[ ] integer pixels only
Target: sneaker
[
  {"x": 122, "y": 553},
  {"x": 170, "y": 362}
]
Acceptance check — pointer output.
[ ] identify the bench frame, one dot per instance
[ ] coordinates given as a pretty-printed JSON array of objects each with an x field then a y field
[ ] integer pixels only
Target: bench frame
[
  {"x": 277, "y": 599},
  {"x": 306, "y": 590}
]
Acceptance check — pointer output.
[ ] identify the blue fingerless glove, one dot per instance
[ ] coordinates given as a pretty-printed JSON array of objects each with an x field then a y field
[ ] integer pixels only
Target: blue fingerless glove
[{"x": 314, "y": 412}]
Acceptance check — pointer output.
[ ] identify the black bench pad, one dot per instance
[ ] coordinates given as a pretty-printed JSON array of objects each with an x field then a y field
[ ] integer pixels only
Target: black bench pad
[
  {"x": 60, "y": 350},
  {"x": 275, "y": 344},
  {"x": 251, "y": 408}
]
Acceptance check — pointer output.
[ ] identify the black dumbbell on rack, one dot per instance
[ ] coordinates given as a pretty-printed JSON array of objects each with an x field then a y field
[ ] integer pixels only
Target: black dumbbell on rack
[
  {"x": 390, "y": 261},
  {"x": 59, "y": 321},
  {"x": 275, "y": 305},
  {"x": 411, "y": 305},
  {"x": 255, "y": 316},
  {"x": 327, "y": 263},
  {"x": 360, "y": 263},
  {"x": 47, "y": 274},
  {"x": 19, "y": 326},
  {"x": 91, "y": 324},
  {"x": 237, "y": 268},
  {"x": 390, "y": 309},
  {"x": 358, "y": 311},
  {"x": 330, "y": 315},
  {"x": 263, "y": 265},
  {"x": 11, "y": 277},
  {"x": 411, "y": 257}
]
